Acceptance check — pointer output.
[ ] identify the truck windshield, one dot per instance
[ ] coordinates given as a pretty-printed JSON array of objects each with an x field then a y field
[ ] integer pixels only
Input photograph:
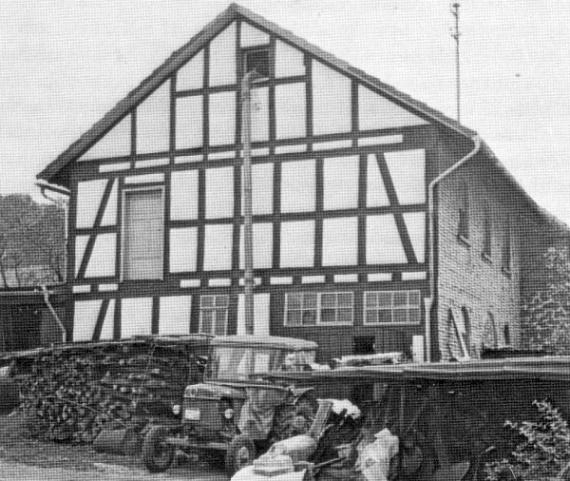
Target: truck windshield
[{"x": 242, "y": 363}]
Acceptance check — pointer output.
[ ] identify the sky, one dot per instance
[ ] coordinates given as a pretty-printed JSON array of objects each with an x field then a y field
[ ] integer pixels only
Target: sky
[{"x": 65, "y": 63}]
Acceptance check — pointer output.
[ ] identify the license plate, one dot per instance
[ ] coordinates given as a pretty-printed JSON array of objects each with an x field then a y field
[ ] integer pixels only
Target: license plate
[{"x": 192, "y": 414}]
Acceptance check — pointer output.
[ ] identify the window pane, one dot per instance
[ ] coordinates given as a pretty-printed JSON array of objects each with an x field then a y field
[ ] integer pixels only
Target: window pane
[
  {"x": 371, "y": 316},
  {"x": 345, "y": 315},
  {"x": 414, "y": 315},
  {"x": 384, "y": 316},
  {"x": 414, "y": 298},
  {"x": 400, "y": 315},
  {"x": 371, "y": 299},
  {"x": 294, "y": 318},
  {"x": 221, "y": 301},
  {"x": 220, "y": 328},
  {"x": 207, "y": 318},
  {"x": 328, "y": 315},
  {"x": 207, "y": 301},
  {"x": 310, "y": 300},
  {"x": 384, "y": 299},
  {"x": 345, "y": 299},
  {"x": 294, "y": 301},
  {"x": 328, "y": 300},
  {"x": 309, "y": 318},
  {"x": 400, "y": 298}
]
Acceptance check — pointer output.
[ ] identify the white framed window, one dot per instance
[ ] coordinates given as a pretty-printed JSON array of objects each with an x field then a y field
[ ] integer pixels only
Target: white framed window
[
  {"x": 143, "y": 233},
  {"x": 392, "y": 307},
  {"x": 304, "y": 309},
  {"x": 214, "y": 314}
]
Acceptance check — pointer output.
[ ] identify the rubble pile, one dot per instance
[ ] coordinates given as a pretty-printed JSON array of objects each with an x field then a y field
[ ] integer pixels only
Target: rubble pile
[{"x": 72, "y": 393}]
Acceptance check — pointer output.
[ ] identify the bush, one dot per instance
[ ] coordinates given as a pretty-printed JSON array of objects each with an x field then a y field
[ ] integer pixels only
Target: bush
[{"x": 543, "y": 451}]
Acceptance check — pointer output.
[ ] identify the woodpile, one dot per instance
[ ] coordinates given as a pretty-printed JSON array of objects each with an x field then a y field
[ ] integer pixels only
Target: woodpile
[{"x": 72, "y": 392}]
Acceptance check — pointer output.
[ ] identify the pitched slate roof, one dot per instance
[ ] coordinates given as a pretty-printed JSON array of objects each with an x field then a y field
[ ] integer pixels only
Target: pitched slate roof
[{"x": 196, "y": 43}]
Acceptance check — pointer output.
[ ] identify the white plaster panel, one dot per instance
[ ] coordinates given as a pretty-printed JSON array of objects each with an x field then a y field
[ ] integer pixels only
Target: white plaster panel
[
  {"x": 377, "y": 112},
  {"x": 185, "y": 283},
  {"x": 174, "y": 315},
  {"x": 376, "y": 195},
  {"x": 189, "y": 122},
  {"x": 251, "y": 36},
  {"x": 416, "y": 225},
  {"x": 298, "y": 183},
  {"x": 184, "y": 195},
  {"x": 144, "y": 178},
  {"x": 102, "y": 260},
  {"x": 136, "y": 317},
  {"x": 288, "y": 60},
  {"x": 145, "y": 164},
  {"x": 153, "y": 122},
  {"x": 262, "y": 188},
  {"x": 312, "y": 279},
  {"x": 289, "y": 149},
  {"x": 332, "y": 104},
  {"x": 383, "y": 244},
  {"x": 218, "y": 247},
  {"x": 223, "y": 57},
  {"x": 89, "y": 195},
  {"x": 80, "y": 246},
  {"x": 183, "y": 249},
  {"x": 115, "y": 143},
  {"x": 191, "y": 75},
  {"x": 230, "y": 154},
  {"x": 220, "y": 282},
  {"x": 340, "y": 241},
  {"x": 381, "y": 140},
  {"x": 114, "y": 167},
  {"x": 341, "y": 182},
  {"x": 108, "y": 328},
  {"x": 290, "y": 110},
  {"x": 262, "y": 246},
  {"x": 261, "y": 304},
  {"x": 279, "y": 281},
  {"x": 219, "y": 192},
  {"x": 260, "y": 114},
  {"x": 85, "y": 319},
  {"x": 81, "y": 289},
  {"x": 222, "y": 118},
  {"x": 407, "y": 169},
  {"x": 110, "y": 215},
  {"x": 186, "y": 159},
  {"x": 297, "y": 244},
  {"x": 333, "y": 144}
]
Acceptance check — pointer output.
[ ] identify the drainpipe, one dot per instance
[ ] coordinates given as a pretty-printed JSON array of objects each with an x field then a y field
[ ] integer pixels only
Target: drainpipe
[
  {"x": 45, "y": 292},
  {"x": 432, "y": 227}
]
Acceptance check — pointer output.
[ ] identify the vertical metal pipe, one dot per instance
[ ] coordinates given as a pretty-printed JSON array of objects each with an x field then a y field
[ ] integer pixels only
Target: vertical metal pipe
[{"x": 247, "y": 201}]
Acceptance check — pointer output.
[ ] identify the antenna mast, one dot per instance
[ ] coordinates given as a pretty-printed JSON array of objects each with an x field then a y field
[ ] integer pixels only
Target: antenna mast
[{"x": 456, "y": 34}]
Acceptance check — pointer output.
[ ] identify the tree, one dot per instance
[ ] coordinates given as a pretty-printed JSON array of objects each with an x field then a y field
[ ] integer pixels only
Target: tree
[{"x": 546, "y": 315}]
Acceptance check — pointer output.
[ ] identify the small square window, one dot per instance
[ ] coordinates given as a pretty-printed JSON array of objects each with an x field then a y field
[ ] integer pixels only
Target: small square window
[{"x": 258, "y": 60}]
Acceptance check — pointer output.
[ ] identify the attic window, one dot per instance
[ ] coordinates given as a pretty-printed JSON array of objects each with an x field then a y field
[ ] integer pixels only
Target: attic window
[{"x": 257, "y": 59}]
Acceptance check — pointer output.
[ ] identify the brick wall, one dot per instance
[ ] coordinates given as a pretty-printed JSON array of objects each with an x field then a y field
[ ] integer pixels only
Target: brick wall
[{"x": 466, "y": 279}]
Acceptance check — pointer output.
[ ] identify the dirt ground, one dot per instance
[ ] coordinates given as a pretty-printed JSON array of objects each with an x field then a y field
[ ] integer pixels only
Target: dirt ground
[{"x": 22, "y": 458}]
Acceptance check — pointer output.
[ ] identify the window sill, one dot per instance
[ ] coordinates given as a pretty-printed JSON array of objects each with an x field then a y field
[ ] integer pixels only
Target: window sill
[
  {"x": 463, "y": 240},
  {"x": 486, "y": 257}
]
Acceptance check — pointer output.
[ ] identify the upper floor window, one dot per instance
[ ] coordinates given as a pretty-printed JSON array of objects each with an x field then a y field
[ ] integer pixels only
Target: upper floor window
[
  {"x": 507, "y": 247},
  {"x": 463, "y": 227},
  {"x": 143, "y": 233},
  {"x": 214, "y": 314},
  {"x": 487, "y": 232},
  {"x": 490, "y": 332},
  {"x": 314, "y": 308},
  {"x": 392, "y": 307},
  {"x": 257, "y": 59}
]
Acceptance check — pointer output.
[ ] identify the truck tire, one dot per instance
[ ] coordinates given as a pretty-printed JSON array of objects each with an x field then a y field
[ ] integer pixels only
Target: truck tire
[
  {"x": 241, "y": 452},
  {"x": 156, "y": 454}
]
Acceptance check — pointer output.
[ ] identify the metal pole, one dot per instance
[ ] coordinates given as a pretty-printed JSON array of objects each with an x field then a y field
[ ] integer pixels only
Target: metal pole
[
  {"x": 247, "y": 202},
  {"x": 456, "y": 34}
]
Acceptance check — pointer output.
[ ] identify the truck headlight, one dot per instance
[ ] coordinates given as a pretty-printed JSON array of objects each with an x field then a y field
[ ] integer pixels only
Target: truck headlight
[
  {"x": 229, "y": 413},
  {"x": 176, "y": 409}
]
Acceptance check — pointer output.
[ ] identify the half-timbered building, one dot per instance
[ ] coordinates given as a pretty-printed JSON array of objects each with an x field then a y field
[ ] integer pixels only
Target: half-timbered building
[{"x": 366, "y": 237}]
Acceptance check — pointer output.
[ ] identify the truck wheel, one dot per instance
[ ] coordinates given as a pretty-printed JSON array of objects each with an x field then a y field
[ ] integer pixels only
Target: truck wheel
[
  {"x": 241, "y": 452},
  {"x": 157, "y": 455}
]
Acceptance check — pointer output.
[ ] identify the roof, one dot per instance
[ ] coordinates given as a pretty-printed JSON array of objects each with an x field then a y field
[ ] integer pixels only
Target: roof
[
  {"x": 198, "y": 41},
  {"x": 547, "y": 368},
  {"x": 265, "y": 341},
  {"x": 183, "y": 54}
]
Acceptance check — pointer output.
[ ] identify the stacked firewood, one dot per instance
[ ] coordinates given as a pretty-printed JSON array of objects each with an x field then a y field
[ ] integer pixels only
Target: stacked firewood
[{"x": 72, "y": 393}]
